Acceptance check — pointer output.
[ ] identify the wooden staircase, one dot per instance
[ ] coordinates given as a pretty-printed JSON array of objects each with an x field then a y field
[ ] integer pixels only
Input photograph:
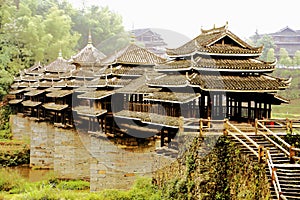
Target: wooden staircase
[{"x": 282, "y": 172}]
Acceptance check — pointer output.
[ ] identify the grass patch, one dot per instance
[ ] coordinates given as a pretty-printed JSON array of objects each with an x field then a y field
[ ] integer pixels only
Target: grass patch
[
  {"x": 291, "y": 110},
  {"x": 12, "y": 186}
]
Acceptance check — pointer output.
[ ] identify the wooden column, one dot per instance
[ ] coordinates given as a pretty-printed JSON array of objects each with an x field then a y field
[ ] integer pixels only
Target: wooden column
[
  {"x": 265, "y": 110},
  {"x": 227, "y": 107},
  {"x": 255, "y": 110},
  {"x": 202, "y": 105},
  {"x": 209, "y": 106},
  {"x": 260, "y": 111},
  {"x": 249, "y": 109},
  {"x": 269, "y": 111},
  {"x": 240, "y": 108}
]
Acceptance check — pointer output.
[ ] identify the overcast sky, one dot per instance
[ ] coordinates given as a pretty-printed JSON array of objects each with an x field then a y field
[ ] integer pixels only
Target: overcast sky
[{"x": 188, "y": 16}]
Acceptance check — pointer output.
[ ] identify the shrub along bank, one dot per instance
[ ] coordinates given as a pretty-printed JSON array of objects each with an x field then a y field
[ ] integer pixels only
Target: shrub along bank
[
  {"x": 13, "y": 153},
  {"x": 222, "y": 173}
]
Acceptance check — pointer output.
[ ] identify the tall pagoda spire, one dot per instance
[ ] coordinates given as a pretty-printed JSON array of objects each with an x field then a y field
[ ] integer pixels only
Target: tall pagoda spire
[
  {"x": 90, "y": 41},
  {"x": 60, "y": 54}
]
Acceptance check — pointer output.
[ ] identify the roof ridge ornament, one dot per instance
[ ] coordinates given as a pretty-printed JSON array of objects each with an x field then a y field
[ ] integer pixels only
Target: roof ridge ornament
[
  {"x": 60, "y": 54},
  {"x": 90, "y": 41},
  {"x": 226, "y": 26}
]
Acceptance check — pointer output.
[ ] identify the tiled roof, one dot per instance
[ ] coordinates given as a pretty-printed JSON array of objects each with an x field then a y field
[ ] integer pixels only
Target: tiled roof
[
  {"x": 133, "y": 54},
  {"x": 98, "y": 82},
  {"x": 229, "y": 50},
  {"x": 16, "y": 91},
  {"x": 44, "y": 84},
  {"x": 137, "y": 86},
  {"x": 59, "y": 93},
  {"x": 174, "y": 65},
  {"x": 118, "y": 82},
  {"x": 15, "y": 101},
  {"x": 128, "y": 71},
  {"x": 172, "y": 97},
  {"x": 83, "y": 89},
  {"x": 20, "y": 85},
  {"x": 34, "y": 93},
  {"x": 88, "y": 111},
  {"x": 30, "y": 103},
  {"x": 103, "y": 71},
  {"x": 169, "y": 81},
  {"x": 88, "y": 56},
  {"x": 36, "y": 69},
  {"x": 52, "y": 89},
  {"x": 82, "y": 73},
  {"x": 50, "y": 76},
  {"x": 54, "y": 106},
  {"x": 204, "y": 43},
  {"x": 59, "y": 65},
  {"x": 238, "y": 83},
  {"x": 202, "y": 63},
  {"x": 99, "y": 94}
]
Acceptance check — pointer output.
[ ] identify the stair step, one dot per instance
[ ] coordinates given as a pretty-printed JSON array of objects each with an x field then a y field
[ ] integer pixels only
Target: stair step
[{"x": 293, "y": 174}]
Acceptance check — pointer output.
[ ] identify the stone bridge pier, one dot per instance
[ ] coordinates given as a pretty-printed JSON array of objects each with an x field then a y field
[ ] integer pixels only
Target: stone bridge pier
[{"x": 72, "y": 154}]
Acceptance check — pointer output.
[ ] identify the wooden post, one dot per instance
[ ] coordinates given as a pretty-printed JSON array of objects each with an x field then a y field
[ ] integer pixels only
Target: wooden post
[
  {"x": 208, "y": 122},
  {"x": 273, "y": 174},
  {"x": 256, "y": 126},
  {"x": 292, "y": 154},
  {"x": 201, "y": 127},
  {"x": 287, "y": 124},
  {"x": 225, "y": 131},
  {"x": 291, "y": 126},
  {"x": 260, "y": 153},
  {"x": 181, "y": 122},
  {"x": 267, "y": 155}
]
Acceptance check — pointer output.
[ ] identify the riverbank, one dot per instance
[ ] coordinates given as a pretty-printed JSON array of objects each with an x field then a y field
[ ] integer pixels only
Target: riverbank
[
  {"x": 14, "y": 153},
  {"x": 13, "y": 186}
]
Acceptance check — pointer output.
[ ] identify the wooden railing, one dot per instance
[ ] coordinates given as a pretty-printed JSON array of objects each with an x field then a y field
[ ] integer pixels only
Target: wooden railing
[
  {"x": 259, "y": 153},
  {"x": 274, "y": 177},
  {"x": 287, "y": 124},
  {"x": 289, "y": 150}
]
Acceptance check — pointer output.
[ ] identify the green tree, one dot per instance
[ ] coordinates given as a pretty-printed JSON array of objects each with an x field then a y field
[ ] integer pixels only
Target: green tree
[
  {"x": 270, "y": 55},
  {"x": 102, "y": 23},
  {"x": 284, "y": 58},
  {"x": 296, "y": 59},
  {"x": 31, "y": 31},
  {"x": 268, "y": 43}
]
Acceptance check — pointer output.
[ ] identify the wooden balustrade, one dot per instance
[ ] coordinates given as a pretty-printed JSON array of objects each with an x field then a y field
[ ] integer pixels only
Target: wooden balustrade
[{"x": 291, "y": 152}]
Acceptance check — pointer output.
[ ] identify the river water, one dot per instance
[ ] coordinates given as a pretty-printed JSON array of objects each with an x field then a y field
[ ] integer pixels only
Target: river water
[{"x": 31, "y": 175}]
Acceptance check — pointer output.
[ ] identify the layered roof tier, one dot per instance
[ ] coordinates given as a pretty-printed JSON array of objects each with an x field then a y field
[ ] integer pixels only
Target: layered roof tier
[
  {"x": 88, "y": 56},
  {"x": 218, "y": 82},
  {"x": 216, "y": 41},
  {"x": 133, "y": 55}
]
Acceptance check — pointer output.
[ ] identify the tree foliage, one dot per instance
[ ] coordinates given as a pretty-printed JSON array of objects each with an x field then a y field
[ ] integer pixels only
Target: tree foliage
[
  {"x": 268, "y": 43},
  {"x": 270, "y": 55},
  {"x": 296, "y": 59},
  {"x": 102, "y": 23},
  {"x": 34, "y": 30},
  {"x": 284, "y": 58}
]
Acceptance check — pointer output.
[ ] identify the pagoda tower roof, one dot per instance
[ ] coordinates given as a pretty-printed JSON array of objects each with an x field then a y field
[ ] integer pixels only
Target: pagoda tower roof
[
  {"x": 89, "y": 55},
  {"x": 59, "y": 65},
  {"x": 133, "y": 55},
  {"x": 216, "y": 41}
]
